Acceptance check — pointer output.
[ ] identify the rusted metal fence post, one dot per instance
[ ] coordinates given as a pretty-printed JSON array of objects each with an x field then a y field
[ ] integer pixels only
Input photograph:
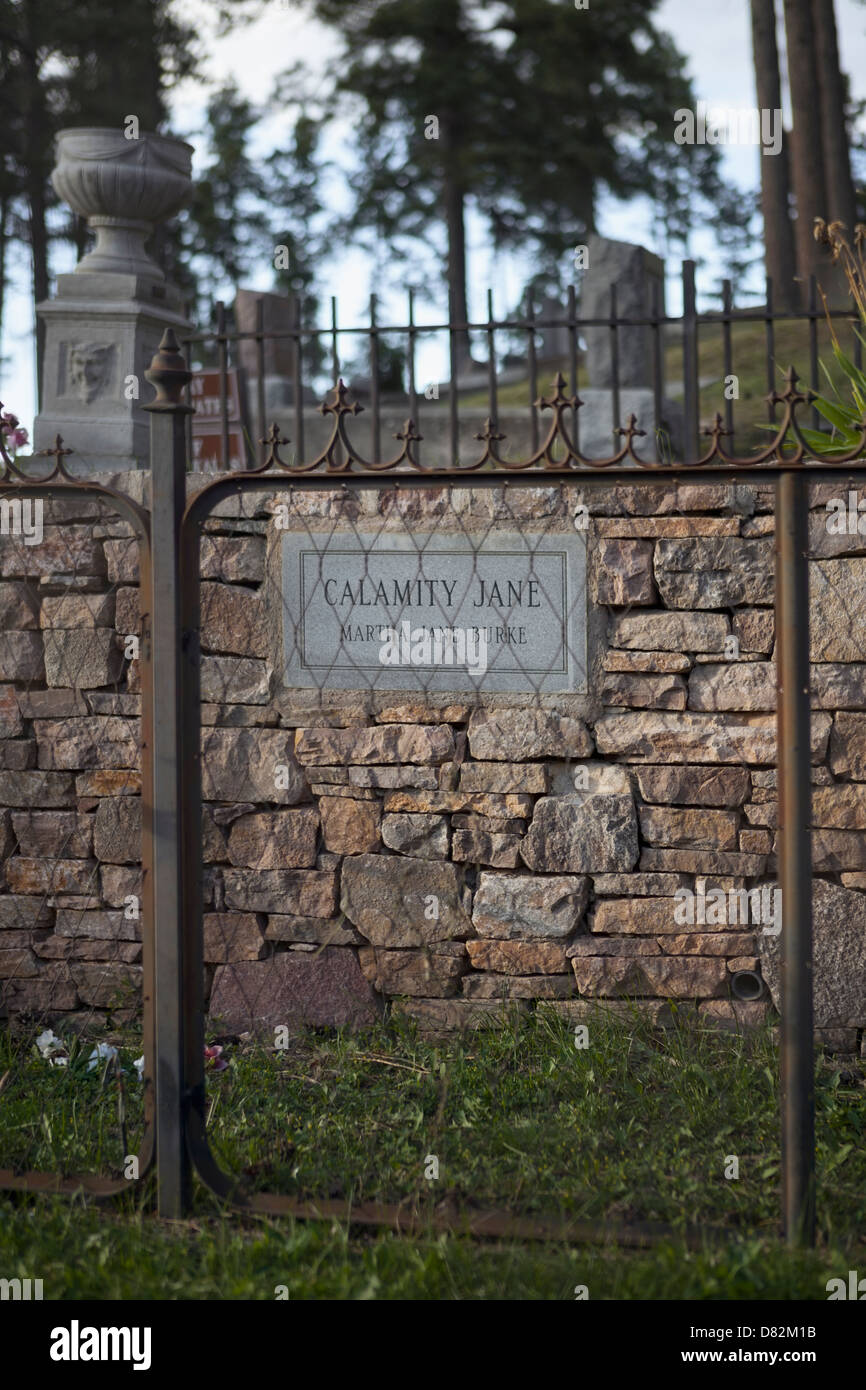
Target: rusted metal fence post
[
  {"x": 168, "y": 373},
  {"x": 691, "y": 365},
  {"x": 795, "y": 859}
]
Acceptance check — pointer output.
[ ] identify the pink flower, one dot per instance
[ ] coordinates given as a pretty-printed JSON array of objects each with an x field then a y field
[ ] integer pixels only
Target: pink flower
[
  {"x": 15, "y": 434},
  {"x": 214, "y": 1060}
]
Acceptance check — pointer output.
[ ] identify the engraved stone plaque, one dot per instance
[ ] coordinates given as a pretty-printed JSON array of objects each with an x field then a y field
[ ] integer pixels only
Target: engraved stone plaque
[{"x": 428, "y": 612}]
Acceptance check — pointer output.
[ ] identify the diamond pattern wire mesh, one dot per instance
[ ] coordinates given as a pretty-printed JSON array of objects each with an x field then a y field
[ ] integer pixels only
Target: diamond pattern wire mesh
[
  {"x": 263, "y": 883},
  {"x": 70, "y": 830},
  {"x": 275, "y": 911},
  {"x": 100, "y": 691}
]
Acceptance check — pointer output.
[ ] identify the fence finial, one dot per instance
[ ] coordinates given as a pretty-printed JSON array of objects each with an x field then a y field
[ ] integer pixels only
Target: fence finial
[{"x": 169, "y": 373}]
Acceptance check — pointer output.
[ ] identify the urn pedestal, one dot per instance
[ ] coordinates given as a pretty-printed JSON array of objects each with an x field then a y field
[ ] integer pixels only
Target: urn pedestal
[{"x": 107, "y": 317}]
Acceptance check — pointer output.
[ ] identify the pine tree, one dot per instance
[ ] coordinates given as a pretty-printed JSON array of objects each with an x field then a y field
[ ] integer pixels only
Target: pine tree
[
  {"x": 76, "y": 63},
  {"x": 527, "y": 110}
]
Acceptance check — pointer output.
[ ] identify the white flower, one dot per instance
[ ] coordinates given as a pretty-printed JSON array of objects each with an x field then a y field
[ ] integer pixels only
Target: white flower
[
  {"x": 102, "y": 1052},
  {"x": 139, "y": 1066},
  {"x": 48, "y": 1042},
  {"x": 52, "y": 1049}
]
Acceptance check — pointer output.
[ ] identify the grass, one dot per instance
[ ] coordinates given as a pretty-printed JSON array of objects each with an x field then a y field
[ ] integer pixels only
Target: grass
[{"x": 638, "y": 1127}]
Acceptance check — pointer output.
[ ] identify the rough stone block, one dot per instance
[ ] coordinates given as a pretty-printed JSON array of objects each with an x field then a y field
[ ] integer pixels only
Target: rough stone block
[
  {"x": 429, "y": 972},
  {"x": 21, "y": 656},
  {"x": 699, "y": 738},
  {"x": 396, "y": 901},
  {"x": 738, "y": 685},
  {"x": 671, "y": 977},
  {"x": 106, "y": 985},
  {"x": 233, "y": 621},
  {"x": 694, "y": 786},
  {"x": 249, "y": 764},
  {"x": 84, "y": 659},
  {"x": 11, "y": 724},
  {"x": 624, "y": 573},
  {"x": 300, "y": 892},
  {"x": 485, "y": 847},
  {"x": 582, "y": 833},
  {"x": 644, "y": 691},
  {"x": 388, "y": 743},
  {"x": 77, "y": 611},
  {"x": 235, "y": 679},
  {"x": 426, "y": 837},
  {"x": 53, "y": 834},
  {"x": 519, "y": 735},
  {"x": 232, "y": 936},
  {"x": 838, "y": 937},
  {"x": 350, "y": 826},
  {"x": 275, "y": 839},
  {"x": 117, "y": 830},
  {"x": 496, "y": 805},
  {"x": 519, "y": 957},
  {"x": 478, "y": 986},
  {"x": 529, "y": 778},
  {"x": 714, "y": 572},
  {"x": 689, "y": 827},
  {"x": 836, "y": 590},
  {"x": 515, "y": 906},
  {"x": 99, "y": 926},
  {"x": 671, "y": 632},
  {"x": 99, "y": 741},
  {"x": 19, "y": 608},
  {"x": 51, "y": 876}
]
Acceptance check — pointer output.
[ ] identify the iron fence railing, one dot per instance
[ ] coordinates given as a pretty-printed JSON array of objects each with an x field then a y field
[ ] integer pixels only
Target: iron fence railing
[
  {"x": 170, "y": 537},
  {"x": 477, "y": 391}
]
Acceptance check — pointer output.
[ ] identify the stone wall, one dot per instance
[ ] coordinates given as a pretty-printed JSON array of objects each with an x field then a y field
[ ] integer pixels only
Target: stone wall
[{"x": 437, "y": 852}]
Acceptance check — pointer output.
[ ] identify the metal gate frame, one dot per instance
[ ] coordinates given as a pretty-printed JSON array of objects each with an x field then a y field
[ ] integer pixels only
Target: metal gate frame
[
  {"x": 61, "y": 483},
  {"x": 173, "y": 931}
]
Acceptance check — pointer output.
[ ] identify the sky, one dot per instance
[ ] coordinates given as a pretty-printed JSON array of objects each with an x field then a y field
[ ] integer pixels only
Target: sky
[{"x": 714, "y": 37}]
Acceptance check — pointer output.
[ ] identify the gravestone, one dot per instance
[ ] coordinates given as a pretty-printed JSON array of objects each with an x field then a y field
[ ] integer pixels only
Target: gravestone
[
  {"x": 637, "y": 275},
  {"x": 639, "y": 278},
  {"x": 105, "y": 322}
]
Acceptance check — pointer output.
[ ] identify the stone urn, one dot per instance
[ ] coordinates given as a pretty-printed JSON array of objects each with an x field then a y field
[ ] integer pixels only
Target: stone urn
[{"x": 124, "y": 188}]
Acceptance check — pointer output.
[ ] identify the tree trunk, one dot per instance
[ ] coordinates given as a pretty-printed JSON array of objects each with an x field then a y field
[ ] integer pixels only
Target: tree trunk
[
  {"x": 834, "y": 132},
  {"x": 807, "y": 162},
  {"x": 36, "y": 142},
  {"x": 778, "y": 227},
  {"x": 454, "y": 197}
]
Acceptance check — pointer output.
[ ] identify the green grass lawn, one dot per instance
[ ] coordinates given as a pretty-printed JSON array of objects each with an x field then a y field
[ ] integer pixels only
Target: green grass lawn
[{"x": 638, "y": 1126}]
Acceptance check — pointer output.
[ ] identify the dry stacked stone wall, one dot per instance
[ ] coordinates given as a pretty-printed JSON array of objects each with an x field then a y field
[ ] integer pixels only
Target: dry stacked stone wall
[{"x": 438, "y": 854}]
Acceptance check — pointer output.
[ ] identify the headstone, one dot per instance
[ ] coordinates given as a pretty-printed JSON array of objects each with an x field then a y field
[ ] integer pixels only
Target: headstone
[
  {"x": 278, "y": 353},
  {"x": 277, "y": 317},
  {"x": 555, "y": 344},
  {"x": 408, "y": 611},
  {"x": 106, "y": 320},
  {"x": 637, "y": 275}
]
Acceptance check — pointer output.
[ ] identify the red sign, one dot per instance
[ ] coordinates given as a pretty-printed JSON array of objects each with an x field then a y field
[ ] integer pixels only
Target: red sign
[
  {"x": 206, "y": 391},
  {"x": 206, "y": 395},
  {"x": 207, "y": 449}
]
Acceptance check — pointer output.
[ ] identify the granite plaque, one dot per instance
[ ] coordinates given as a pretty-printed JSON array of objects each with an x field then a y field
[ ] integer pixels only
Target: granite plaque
[{"x": 428, "y": 612}]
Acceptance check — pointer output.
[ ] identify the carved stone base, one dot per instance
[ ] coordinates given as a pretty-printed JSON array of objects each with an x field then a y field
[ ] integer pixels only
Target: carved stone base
[{"x": 102, "y": 330}]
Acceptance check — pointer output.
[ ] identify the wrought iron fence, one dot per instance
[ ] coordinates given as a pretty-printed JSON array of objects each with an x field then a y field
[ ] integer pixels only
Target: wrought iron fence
[
  {"x": 76, "y": 913},
  {"x": 670, "y": 424},
  {"x": 172, "y": 671}
]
